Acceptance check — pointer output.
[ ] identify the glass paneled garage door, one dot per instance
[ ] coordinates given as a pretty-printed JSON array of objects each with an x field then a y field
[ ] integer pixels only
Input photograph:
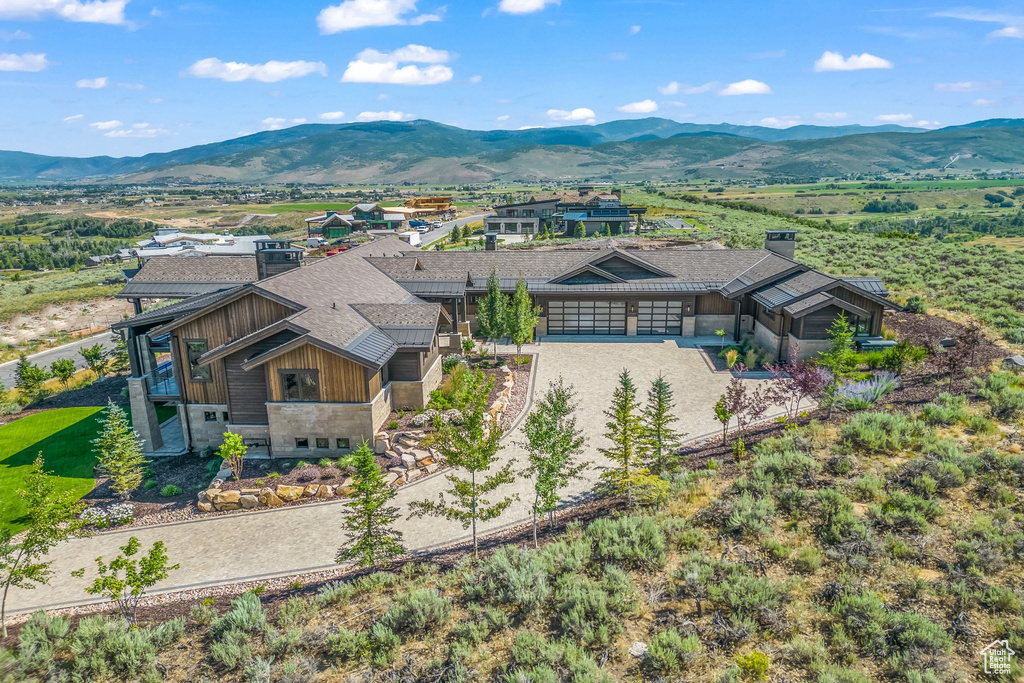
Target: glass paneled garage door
[
  {"x": 587, "y": 317},
  {"x": 659, "y": 317}
]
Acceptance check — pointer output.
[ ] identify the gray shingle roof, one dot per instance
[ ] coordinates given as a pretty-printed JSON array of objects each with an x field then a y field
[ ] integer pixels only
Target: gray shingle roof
[
  {"x": 400, "y": 315},
  {"x": 174, "y": 310},
  {"x": 198, "y": 269}
]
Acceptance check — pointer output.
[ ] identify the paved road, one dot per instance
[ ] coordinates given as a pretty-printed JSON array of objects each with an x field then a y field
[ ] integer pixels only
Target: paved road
[
  {"x": 44, "y": 358},
  {"x": 446, "y": 229},
  {"x": 254, "y": 546}
]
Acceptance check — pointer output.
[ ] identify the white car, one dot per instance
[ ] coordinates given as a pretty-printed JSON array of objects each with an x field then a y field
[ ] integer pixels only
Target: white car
[
  {"x": 438, "y": 224},
  {"x": 422, "y": 229}
]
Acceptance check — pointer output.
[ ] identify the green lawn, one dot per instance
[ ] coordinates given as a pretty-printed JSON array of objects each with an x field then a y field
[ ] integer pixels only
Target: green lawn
[{"x": 63, "y": 436}]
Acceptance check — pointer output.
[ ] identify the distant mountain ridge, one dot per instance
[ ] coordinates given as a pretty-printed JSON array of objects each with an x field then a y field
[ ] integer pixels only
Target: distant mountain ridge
[{"x": 425, "y": 151}]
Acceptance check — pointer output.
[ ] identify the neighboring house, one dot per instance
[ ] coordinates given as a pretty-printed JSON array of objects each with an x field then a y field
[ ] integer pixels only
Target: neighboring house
[
  {"x": 173, "y": 242},
  {"x": 428, "y": 206},
  {"x": 332, "y": 225},
  {"x": 179, "y": 277},
  {"x": 524, "y": 218},
  {"x": 375, "y": 217},
  {"x": 316, "y": 357},
  {"x": 562, "y": 213}
]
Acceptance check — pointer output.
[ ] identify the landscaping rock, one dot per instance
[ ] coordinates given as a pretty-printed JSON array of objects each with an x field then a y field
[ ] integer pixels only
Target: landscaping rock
[
  {"x": 431, "y": 468},
  {"x": 310, "y": 490},
  {"x": 289, "y": 493},
  {"x": 269, "y": 498},
  {"x": 425, "y": 462},
  {"x": 249, "y": 501},
  {"x": 205, "y": 506},
  {"x": 409, "y": 460},
  {"x": 391, "y": 478},
  {"x": 224, "y": 497},
  {"x": 225, "y": 474},
  {"x": 325, "y": 491},
  {"x": 250, "y": 492},
  {"x": 224, "y": 507}
]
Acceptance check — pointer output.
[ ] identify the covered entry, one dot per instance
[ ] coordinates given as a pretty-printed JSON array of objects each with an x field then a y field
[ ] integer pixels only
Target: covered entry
[
  {"x": 659, "y": 317},
  {"x": 587, "y": 317}
]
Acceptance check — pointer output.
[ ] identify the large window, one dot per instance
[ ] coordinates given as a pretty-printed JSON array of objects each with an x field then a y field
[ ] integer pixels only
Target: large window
[
  {"x": 861, "y": 325},
  {"x": 196, "y": 372},
  {"x": 660, "y": 317},
  {"x": 300, "y": 385},
  {"x": 587, "y": 317}
]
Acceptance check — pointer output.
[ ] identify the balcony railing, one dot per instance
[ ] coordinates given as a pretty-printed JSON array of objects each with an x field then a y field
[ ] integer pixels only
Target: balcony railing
[{"x": 162, "y": 381}]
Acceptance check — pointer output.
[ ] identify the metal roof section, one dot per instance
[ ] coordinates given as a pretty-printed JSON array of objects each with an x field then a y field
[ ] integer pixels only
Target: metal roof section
[
  {"x": 374, "y": 347},
  {"x": 173, "y": 290},
  {"x": 873, "y": 285},
  {"x": 433, "y": 288},
  {"x": 411, "y": 337}
]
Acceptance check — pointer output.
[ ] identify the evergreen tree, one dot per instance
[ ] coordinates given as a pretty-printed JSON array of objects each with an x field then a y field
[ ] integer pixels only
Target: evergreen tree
[
  {"x": 606, "y": 230},
  {"x": 28, "y": 379},
  {"x": 471, "y": 447},
  {"x": 371, "y": 540},
  {"x": 628, "y": 477},
  {"x": 52, "y": 517},
  {"x": 661, "y": 440},
  {"x": 553, "y": 441},
  {"x": 580, "y": 231},
  {"x": 490, "y": 316},
  {"x": 840, "y": 358},
  {"x": 520, "y": 318},
  {"x": 119, "y": 354},
  {"x": 119, "y": 450},
  {"x": 63, "y": 369}
]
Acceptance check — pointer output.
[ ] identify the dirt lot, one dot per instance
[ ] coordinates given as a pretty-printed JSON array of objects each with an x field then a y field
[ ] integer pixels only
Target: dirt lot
[{"x": 87, "y": 317}]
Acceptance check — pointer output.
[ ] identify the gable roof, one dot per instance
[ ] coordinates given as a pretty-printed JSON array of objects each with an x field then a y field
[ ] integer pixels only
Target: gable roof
[{"x": 173, "y": 277}]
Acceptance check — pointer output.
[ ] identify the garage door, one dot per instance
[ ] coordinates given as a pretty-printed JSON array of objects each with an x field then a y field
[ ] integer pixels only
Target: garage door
[
  {"x": 587, "y": 317},
  {"x": 659, "y": 317}
]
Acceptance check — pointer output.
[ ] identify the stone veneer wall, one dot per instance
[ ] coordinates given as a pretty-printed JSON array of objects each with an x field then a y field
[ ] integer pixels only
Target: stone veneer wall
[
  {"x": 416, "y": 394},
  {"x": 766, "y": 340},
  {"x": 204, "y": 433},
  {"x": 353, "y": 421},
  {"x": 809, "y": 347},
  {"x": 706, "y": 325},
  {"x": 144, "y": 418}
]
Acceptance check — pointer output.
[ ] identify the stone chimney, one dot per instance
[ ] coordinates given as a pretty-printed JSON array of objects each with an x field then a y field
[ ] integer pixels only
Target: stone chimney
[
  {"x": 781, "y": 242},
  {"x": 276, "y": 256}
]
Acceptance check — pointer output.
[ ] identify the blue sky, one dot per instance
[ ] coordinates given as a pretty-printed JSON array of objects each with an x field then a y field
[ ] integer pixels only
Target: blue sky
[{"x": 126, "y": 77}]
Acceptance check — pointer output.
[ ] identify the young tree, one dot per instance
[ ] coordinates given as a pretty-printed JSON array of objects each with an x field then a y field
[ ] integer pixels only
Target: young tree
[
  {"x": 723, "y": 413},
  {"x": 553, "y": 441},
  {"x": 471, "y": 447},
  {"x": 63, "y": 369},
  {"x": 119, "y": 354},
  {"x": 233, "y": 452},
  {"x": 95, "y": 357},
  {"x": 371, "y": 540},
  {"x": 606, "y": 230},
  {"x": 628, "y": 477},
  {"x": 660, "y": 439},
  {"x": 28, "y": 379},
  {"x": 840, "y": 358},
  {"x": 52, "y": 517},
  {"x": 490, "y": 316},
  {"x": 580, "y": 230},
  {"x": 125, "y": 580},
  {"x": 119, "y": 450},
  {"x": 795, "y": 381},
  {"x": 520, "y": 318}
]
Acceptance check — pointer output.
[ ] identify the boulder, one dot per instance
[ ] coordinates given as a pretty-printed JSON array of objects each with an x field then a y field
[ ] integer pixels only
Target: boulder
[
  {"x": 1015, "y": 362},
  {"x": 223, "y": 507},
  {"x": 409, "y": 460},
  {"x": 203, "y": 497},
  {"x": 269, "y": 498},
  {"x": 425, "y": 462},
  {"x": 391, "y": 478},
  {"x": 380, "y": 446},
  {"x": 286, "y": 492},
  {"x": 310, "y": 490},
  {"x": 222, "y": 497},
  {"x": 249, "y": 501},
  {"x": 431, "y": 468},
  {"x": 250, "y": 492},
  {"x": 205, "y": 506},
  {"x": 225, "y": 474},
  {"x": 325, "y": 491}
]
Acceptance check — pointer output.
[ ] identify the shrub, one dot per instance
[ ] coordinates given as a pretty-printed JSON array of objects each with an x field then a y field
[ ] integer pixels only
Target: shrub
[
  {"x": 806, "y": 653},
  {"x": 246, "y": 615},
  {"x": 882, "y": 432},
  {"x": 564, "y": 557},
  {"x": 512, "y": 576},
  {"x": 946, "y": 410},
  {"x": 326, "y": 462},
  {"x": 836, "y": 521},
  {"x": 121, "y": 513},
  {"x": 747, "y": 515},
  {"x": 668, "y": 652},
  {"x": 383, "y": 645},
  {"x": 753, "y": 666},
  {"x": 309, "y": 473},
  {"x": 537, "y": 660},
  {"x": 170, "y": 490},
  {"x": 868, "y": 488},
  {"x": 587, "y": 612},
  {"x": 807, "y": 560},
  {"x": 346, "y": 645},
  {"x": 631, "y": 542},
  {"x": 417, "y": 611},
  {"x": 915, "y": 304},
  {"x": 902, "y": 637},
  {"x": 1003, "y": 392},
  {"x": 863, "y": 394},
  {"x": 905, "y": 512},
  {"x": 296, "y": 611},
  {"x": 234, "y": 648}
]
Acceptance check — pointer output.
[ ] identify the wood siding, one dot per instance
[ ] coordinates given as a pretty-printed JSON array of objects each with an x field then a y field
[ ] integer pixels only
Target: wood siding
[
  {"x": 247, "y": 391},
  {"x": 715, "y": 304},
  {"x": 867, "y": 304},
  {"x": 341, "y": 380},
  {"x": 404, "y": 366},
  {"x": 226, "y": 324},
  {"x": 815, "y": 325}
]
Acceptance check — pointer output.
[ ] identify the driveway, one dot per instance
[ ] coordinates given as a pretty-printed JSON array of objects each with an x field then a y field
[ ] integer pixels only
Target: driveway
[{"x": 252, "y": 546}]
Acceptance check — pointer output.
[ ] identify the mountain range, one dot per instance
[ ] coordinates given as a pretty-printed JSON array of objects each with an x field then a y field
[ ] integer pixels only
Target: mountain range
[{"x": 637, "y": 149}]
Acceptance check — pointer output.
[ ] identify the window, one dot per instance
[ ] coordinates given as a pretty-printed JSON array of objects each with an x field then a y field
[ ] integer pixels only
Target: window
[
  {"x": 323, "y": 442},
  {"x": 302, "y": 443},
  {"x": 196, "y": 372},
  {"x": 210, "y": 415},
  {"x": 342, "y": 443},
  {"x": 860, "y": 325},
  {"x": 225, "y": 416},
  {"x": 300, "y": 385}
]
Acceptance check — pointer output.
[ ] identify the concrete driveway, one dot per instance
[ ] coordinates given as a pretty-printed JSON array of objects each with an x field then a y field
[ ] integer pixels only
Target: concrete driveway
[{"x": 252, "y": 546}]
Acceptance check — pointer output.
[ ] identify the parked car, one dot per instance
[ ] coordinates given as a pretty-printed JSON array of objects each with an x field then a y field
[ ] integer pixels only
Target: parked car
[
  {"x": 419, "y": 224},
  {"x": 438, "y": 224},
  {"x": 422, "y": 228}
]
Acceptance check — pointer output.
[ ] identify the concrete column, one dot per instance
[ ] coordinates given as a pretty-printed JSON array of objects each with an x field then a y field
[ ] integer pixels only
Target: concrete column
[
  {"x": 689, "y": 325},
  {"x": 631, "y": 326},
  {"x": 144, "y": 418},
  {"x": 542, "y": 328}
]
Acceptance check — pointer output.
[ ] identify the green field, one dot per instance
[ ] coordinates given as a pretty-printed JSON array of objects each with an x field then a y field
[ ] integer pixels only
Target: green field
[{"x": 63, "y": 437}]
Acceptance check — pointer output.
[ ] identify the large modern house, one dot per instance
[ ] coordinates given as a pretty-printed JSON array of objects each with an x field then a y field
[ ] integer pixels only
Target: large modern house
[
  {"x": 316, "y": 356},
  {"x": 594, "y": 207}
]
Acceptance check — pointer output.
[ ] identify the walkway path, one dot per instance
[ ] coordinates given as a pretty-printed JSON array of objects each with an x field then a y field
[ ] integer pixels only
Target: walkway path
[{"x": 253, "y": 546}]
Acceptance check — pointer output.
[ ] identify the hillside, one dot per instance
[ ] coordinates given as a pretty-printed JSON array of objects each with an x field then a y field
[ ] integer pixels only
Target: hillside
[{"x": 378, "y": 140}]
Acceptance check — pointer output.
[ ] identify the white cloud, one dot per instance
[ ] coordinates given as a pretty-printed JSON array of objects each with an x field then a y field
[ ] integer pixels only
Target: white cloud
[
  {"x": 353, "y": 14},
  {"x": 383, "y": 116},
  {"x": 298, "y": 120},
  {"x": 15, "y": 35},
  {"x": 928, "y": 124},
  {"x": 525, "y": 6},
  {"x": 131, "y": 86},
  {"x": 671, "y": 89},
  {"x": 634, "y": 29},
  {"x": 476, "y": 79},
  {"x": 155, "y": 12},
  {"x": 106, "y": 125},
  {"x": 980, "y": 102},
  {"x": 273, "y": 123},
  {"x": 833, "y": 61},
  {"x": 579, "y": 114},
  {"x": 26, "y": 62},
  {"x": 271, "y": 72},
  {"x": 91, "y": 11},
  {"x": 676, "y": 103},
  {"x": 967, "y": 86},
  {"x": 642, "y": 107},
  {"x": 92, "y": 83},
  {"x": 780, "y": 121},
  {"x": 894, "y": 118},
  {"x": 76, "y": 117},
  {"x": 831, "y": 115},
  {"x": 503, "y": 117},
  {"x": 139, "y": 130},
  {"x": 373, "y": 66},
  {"x": 332, "y": 115},
  {"x": 675, "y": 87},
  {"x": 747, "y": 87},
  {"x": 1013, "y": 24},
  {"x": 1008, "y": 32}
]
